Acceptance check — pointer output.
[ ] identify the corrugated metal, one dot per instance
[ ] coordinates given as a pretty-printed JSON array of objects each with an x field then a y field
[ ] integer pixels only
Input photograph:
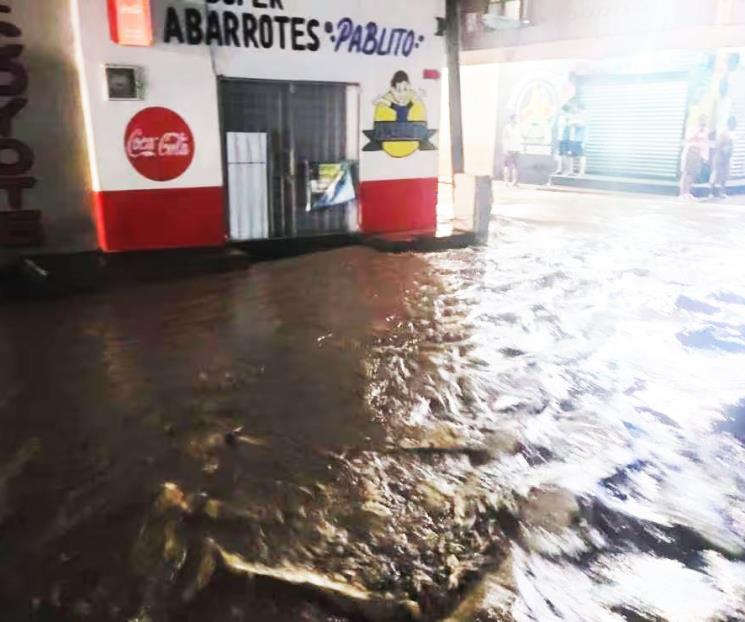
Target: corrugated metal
[
  {"x": 737, "y": 89},
  {"x": 319, "y": 118},
  {"x": 305, "y": 123},
  {"x": 635, "y": 127}
]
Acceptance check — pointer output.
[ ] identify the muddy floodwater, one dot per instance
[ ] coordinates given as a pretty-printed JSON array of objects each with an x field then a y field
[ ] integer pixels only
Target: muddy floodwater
[{"x": 548, "y": 428}]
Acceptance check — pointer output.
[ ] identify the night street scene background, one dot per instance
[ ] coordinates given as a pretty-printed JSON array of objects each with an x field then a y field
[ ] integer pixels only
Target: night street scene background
[{"x": 354, "y": 311}]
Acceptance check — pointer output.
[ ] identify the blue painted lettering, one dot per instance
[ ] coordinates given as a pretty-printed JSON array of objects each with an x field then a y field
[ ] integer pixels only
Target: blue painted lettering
[
  {"x": 355, "y": 45},
  {"x": 371, "y": 39},
  {"x": 343, "y": 32}
]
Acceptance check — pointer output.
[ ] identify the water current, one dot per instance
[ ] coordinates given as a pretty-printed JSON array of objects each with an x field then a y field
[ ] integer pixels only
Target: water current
[{"x": 547, "y": 428}]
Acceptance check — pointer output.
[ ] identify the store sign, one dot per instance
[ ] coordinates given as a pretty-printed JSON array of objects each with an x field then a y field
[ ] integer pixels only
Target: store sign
[
  {"x": 159, "y": 144},
  {"x": 400, "y": 121},
  {"x": 18, "y": 227},
  {"x": 264, "y": 24},
  {"x": 130, "y": 22}
]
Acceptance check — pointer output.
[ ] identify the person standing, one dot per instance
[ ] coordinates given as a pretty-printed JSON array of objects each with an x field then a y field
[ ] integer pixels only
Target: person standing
[
  {"x": 512, "y": 146},
  {"x": 562, "y": 138},
  {"x": 577, "y": 140},
  {"x": 695, "y": 154},
  {"x": 725, "y": 147}
]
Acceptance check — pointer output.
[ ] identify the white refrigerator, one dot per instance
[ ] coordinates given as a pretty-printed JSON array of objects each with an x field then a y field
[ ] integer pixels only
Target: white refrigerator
[{"x": 248, "y": 180}]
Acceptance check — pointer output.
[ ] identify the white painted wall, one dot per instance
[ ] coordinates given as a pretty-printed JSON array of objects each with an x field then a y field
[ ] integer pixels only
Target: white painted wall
[
  {"x": 180, "y": 78},
  {"x": 183, "y": 78},
  {"x": 480, "y": 88}
]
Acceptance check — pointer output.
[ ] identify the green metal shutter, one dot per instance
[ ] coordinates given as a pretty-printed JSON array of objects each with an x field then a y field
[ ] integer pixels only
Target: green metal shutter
[{"x": 635, "y": 125}]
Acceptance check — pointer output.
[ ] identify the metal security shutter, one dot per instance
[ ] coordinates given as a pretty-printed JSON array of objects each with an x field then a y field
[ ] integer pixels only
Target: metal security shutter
[
  {"x": 304, "y": 123},
  {"x": 738, "y": 110},
  {"x": 635, "y": 125},
  {"x": 319, "y": 121}
]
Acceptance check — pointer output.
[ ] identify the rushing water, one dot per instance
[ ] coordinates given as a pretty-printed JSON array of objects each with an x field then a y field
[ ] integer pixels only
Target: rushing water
[{"x": 549, "y": 428}]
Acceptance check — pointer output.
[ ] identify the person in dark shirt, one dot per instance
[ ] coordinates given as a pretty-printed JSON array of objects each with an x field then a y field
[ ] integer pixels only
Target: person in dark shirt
[{"x": 725, "y": 146}]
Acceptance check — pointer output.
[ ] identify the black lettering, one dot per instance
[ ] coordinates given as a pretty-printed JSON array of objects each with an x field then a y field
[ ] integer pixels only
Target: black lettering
[
  {"x": 298, "y": 32},
  {"x": 230, "y": 24},
  {"x": 24, "y": 157},
  {"x": 11, "y": 51},
  {"x": 277, "y": 4},
  {"x": 9, "y": 30},
  {"x": 212, "y": 1},
  {"x": 229, "y": 1},
  {"x": 193, "y": 19},
  {"x": 214, "y": 35},
  {"x": 260, "y": 4},
  {"x": 19, "y": 78},
  {"x": 315, "y": 42},
  {"x": 173, "y": 26},
  {"x": 11, "y": 108},
  {"x": 282, "y": 20},
  {"x": 14, "y": 187},
  {"x": 21, "y": 228},
  {"x": 249, "y": 30},
  {"x": 266, "y": 31}
]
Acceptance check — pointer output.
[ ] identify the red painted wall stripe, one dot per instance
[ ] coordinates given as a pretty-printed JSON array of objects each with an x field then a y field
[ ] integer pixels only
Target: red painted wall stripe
[
  {"x": 132, "y": 220},
  {"x": 399, "y": 205}
]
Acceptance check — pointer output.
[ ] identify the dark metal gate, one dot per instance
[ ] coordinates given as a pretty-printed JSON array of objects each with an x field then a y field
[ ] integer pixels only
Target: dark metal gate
[{"x": 307, "y": 124}]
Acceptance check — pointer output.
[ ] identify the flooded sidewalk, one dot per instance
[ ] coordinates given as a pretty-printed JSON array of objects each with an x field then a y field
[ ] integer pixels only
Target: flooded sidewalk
[{"x": 548, "y": 428}]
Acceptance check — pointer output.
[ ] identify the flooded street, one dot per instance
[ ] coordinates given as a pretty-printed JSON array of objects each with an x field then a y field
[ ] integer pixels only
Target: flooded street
[{"x": 548, "y": 428}]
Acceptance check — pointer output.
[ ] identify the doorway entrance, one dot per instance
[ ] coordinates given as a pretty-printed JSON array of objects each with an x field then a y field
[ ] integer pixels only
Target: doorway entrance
[{"x": 291, "y": 154}]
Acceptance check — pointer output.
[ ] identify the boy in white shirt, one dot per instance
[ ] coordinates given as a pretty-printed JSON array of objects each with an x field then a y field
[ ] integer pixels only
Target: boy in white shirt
[{"x": 512, "y": 146}]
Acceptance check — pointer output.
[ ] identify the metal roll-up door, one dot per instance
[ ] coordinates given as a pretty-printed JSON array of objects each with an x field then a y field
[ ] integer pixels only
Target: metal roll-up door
[
  {"x": 274, "y": 134},
  {"x": 635, "y": 125},
  {"x": 737, "y": 88}
]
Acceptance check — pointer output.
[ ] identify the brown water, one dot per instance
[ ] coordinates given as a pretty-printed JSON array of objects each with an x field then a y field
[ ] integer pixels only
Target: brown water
[{"x": 544, "y": 429}]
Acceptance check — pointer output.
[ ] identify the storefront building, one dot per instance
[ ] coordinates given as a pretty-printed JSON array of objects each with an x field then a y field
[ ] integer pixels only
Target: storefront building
[
  {"x": 638, "y": 110},
  {"x": 191, "y": 123},
  {"x": 643, "y": 69}
]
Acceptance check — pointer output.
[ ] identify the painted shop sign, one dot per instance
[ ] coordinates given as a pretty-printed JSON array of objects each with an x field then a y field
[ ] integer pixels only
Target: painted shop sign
[
  {"x": 264, "y": 24},
  {"x": 159, "y": 144},
  {"x": 400, "y": 121},
  {"x": 18, "y": 227}
]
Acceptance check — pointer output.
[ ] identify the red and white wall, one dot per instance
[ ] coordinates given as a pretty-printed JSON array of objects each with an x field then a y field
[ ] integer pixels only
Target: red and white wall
[{"x": 134, "y": 212}]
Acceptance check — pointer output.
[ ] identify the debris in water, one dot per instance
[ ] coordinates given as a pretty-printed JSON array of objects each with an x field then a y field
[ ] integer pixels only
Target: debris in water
[{"x": 346, "y": 595}]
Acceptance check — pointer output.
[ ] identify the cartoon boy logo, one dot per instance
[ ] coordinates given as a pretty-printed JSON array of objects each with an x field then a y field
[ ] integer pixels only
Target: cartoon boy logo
[{"x": 400, "y": 127}]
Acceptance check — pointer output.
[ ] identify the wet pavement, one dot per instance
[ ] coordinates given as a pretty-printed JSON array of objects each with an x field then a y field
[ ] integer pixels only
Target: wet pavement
[{"x": 549, "y": 428}]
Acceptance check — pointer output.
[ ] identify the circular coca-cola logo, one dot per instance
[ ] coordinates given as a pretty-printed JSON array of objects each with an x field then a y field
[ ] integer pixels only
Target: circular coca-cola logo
[{"x": 159, "y": 144}]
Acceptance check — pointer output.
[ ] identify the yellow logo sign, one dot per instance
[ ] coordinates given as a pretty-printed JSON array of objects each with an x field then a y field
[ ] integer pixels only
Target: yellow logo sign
[{"x": 400, "y": 127}]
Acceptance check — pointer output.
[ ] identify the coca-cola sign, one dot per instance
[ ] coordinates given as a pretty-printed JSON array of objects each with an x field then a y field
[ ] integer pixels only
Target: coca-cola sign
[{"x": 159, "y": 144}]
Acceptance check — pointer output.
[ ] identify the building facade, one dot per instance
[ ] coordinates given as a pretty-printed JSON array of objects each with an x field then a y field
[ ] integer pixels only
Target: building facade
[
  {"x": 185, "y": 123},
  {"x": 644, "y": 71}
]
